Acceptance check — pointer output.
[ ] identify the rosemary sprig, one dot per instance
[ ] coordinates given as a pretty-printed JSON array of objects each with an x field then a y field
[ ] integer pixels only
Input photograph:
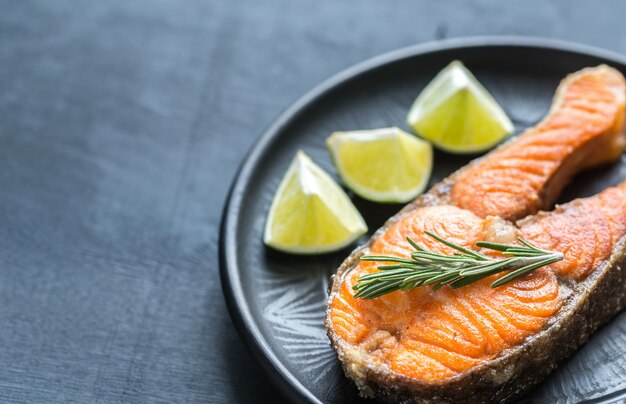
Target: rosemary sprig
[{"x": 464, "y": 267}]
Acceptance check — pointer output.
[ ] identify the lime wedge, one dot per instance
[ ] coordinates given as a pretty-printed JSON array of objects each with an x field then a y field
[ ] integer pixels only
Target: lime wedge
[
  {"x": 382, "y": 165},
  {"x": 310, "y": 213},
  {"x": 457, "y": 114}
]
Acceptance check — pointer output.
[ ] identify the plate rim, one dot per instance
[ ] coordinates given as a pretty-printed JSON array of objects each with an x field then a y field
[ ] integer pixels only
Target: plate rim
[{"x": 238, "y": 308}]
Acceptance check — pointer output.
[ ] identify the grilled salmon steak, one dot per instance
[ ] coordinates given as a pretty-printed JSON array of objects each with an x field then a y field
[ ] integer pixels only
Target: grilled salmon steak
[{"x": 484, "y": 344}]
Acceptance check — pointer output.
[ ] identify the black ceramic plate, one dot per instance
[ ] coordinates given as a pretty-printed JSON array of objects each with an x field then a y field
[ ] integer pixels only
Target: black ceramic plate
[{"x": 277, "y": 300}]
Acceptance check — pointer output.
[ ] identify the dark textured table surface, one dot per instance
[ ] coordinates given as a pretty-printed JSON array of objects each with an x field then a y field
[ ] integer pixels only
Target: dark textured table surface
[{"x": 122, "y": 124}]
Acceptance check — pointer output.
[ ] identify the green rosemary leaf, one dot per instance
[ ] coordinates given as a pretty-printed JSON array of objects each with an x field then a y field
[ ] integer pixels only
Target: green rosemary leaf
[
  {"x": 456, "y": 246},
  {"x": 493, "y": 246},
  {"x": 385, "y": 258},
  {"x": 414, "y": 244}
]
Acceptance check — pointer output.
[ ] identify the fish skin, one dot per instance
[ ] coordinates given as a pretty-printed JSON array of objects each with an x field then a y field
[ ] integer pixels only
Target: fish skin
[{"x": 585, "y": 305}]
